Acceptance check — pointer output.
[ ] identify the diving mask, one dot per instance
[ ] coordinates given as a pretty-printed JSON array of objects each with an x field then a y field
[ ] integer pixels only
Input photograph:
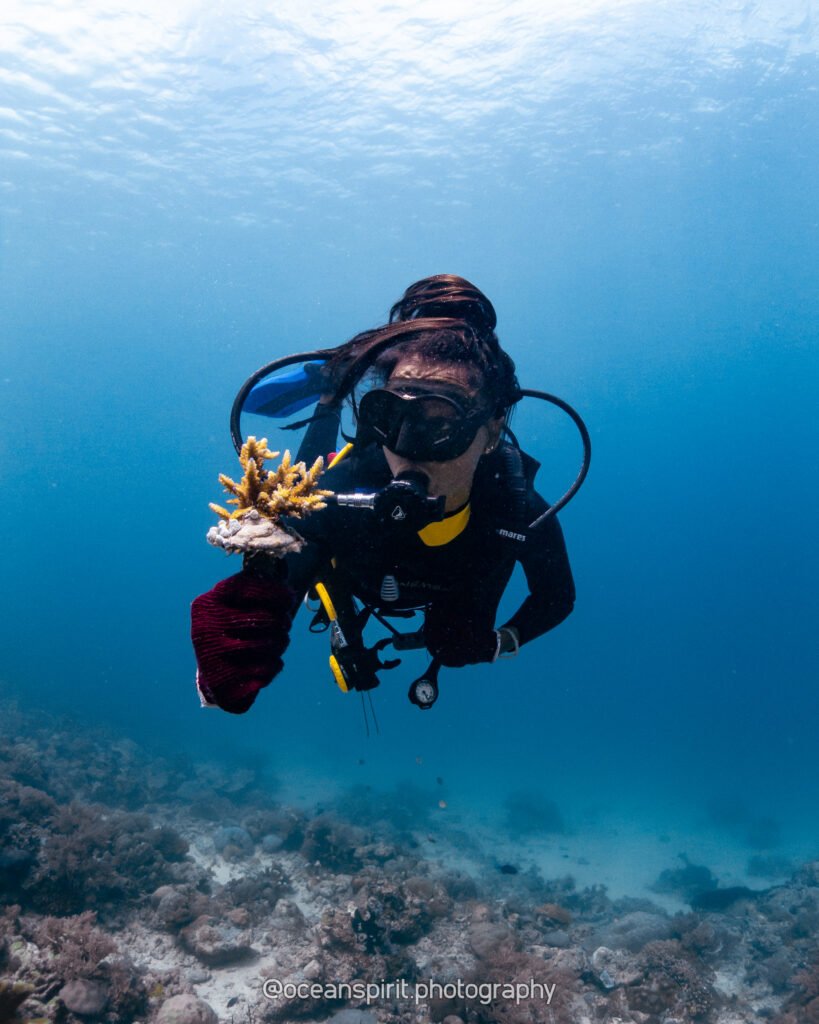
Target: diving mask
[{"x": 419, "y": 424}]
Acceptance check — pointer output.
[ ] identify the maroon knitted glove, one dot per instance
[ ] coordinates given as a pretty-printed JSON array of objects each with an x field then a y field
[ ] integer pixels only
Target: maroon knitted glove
[{"x": 240, "y": 630}]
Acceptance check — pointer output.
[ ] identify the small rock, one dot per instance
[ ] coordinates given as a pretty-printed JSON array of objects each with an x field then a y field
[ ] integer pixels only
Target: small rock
[
  {"x": 350, "y": 1016},
  {"x": 614, "y": 967},
  {"x": 83, "y": 997},
  {"x": 633, "y": 931},
  {"x": 570, "y": 961},
  {"x": 554, "y": 914},
  {"x": 232, "y": 836},
  {"x": 383, "y": 852},
  {"x": 287, "y": 916},
  {"x": 177, "y": 905},
  {"x": 157, "y": 894},
  {"x": 240, "y": 916},
  {"x": 420, "y": 886},
  {"x": 186, "y": 1009},
  {"x": 272, "y": 842},
  {"x": 198, "y": 977},
  {"x": 215, "y": 942},
  {"x": 485, "y": 937},
  {"x": 312, "y": 971},
  {"x": 606, "y": 979},
  {"x": 557, "y": 937},
  {"x": 481, "y": 912}
]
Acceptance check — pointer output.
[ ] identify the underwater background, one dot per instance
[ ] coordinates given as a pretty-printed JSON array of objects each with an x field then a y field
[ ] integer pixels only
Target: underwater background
[{"x": 188, "y": 192}]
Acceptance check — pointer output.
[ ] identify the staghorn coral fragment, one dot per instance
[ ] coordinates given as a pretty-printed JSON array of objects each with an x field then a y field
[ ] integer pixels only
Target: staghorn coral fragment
[
  {"x": 246, "y": 493},
  {"x": 262, "y": 498}
]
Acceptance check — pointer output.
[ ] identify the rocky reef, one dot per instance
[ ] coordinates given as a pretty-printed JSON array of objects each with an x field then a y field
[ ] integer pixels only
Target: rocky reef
[{"x": 136, "y": 889}]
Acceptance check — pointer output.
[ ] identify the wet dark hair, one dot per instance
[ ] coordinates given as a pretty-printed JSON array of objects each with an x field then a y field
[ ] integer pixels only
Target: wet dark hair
[
  {"x": 446, "y": 295},
  {"x": 440, "y": 319}
]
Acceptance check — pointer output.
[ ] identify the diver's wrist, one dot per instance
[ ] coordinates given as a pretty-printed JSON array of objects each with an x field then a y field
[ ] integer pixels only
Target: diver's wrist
[{"x": 507, "y": 642}]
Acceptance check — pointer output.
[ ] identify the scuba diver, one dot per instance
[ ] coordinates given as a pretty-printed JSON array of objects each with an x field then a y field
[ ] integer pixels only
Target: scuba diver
[{"x": 433, "y": 505}]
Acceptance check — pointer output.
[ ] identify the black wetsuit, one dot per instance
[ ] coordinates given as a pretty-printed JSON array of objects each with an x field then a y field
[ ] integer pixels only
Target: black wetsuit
[{"x": 459, "y": 584}]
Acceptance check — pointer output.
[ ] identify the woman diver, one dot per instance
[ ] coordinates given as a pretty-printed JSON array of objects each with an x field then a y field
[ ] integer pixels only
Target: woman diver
[{"x": 434, "y": 504}]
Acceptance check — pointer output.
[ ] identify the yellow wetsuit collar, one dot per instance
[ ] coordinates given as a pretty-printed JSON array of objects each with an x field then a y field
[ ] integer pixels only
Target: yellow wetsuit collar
[{"x": 447, "y": 529}]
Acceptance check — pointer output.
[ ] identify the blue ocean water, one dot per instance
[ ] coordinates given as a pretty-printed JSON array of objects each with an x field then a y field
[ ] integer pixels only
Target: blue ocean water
[{"x": 187, "y": 193}]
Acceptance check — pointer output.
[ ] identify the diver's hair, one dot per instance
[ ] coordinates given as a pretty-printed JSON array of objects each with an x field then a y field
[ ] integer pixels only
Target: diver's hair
[
  {"x": 449, "y": 296},
  {"x": 442, "y": 319}
]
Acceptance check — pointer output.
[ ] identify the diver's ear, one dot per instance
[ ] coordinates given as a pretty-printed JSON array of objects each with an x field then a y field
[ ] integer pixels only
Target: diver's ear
[{"x": 494, "y": 428}]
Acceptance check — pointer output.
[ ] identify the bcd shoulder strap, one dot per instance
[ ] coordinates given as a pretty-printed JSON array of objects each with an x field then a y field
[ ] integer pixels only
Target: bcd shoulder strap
[{"x": 514, "y": 483}]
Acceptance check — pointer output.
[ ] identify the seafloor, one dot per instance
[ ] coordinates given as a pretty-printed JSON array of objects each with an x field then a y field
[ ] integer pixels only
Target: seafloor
[{"x": 137, "y": 888}]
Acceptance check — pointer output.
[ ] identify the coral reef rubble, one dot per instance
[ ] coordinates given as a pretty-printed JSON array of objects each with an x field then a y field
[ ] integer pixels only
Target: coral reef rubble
[{"x": 183, "y": 913}]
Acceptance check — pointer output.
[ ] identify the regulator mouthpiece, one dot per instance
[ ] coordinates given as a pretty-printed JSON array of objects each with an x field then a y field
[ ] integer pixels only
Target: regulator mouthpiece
[{"x": 405, "y": 502}]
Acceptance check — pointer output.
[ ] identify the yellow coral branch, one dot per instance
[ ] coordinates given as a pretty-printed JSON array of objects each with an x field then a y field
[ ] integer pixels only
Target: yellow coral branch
[{"x": 290, "y": 490}]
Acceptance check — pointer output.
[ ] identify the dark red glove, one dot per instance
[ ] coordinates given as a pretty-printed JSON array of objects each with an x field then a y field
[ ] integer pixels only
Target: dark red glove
[{"x": 240, "y": 630}]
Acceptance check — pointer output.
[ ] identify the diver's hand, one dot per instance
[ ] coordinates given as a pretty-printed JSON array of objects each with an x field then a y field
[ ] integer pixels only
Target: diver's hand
[
  {"x": 457, "y": 640},
  {"x": 240, "y": 629},
  {"x": 319, "y": 377}
]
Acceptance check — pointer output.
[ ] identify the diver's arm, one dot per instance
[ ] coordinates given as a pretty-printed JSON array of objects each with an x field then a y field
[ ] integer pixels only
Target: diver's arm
[
  {"x": 321, "y": 435},
  {"x": 304, "y": 569},
  {"x": 462, "y": 632},
  {"x": 549, "y": 576}
]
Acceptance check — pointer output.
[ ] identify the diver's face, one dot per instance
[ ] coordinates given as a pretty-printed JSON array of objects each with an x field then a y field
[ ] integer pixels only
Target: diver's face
[{"x": 453, "y": 479}]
